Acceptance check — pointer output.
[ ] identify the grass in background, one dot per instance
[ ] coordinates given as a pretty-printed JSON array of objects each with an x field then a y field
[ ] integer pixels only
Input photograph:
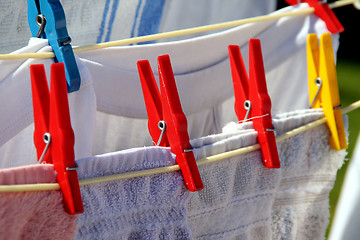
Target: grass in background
[{"x": 348, "y": 73}]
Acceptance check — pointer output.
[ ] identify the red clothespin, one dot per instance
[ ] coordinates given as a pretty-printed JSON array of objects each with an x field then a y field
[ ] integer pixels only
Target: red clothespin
[
  {"x": 53, "y": 136},
  {"x": 323, "y": 11},
  {"x": 252, "y": 100},
  {"x": 167, "y": 122}
]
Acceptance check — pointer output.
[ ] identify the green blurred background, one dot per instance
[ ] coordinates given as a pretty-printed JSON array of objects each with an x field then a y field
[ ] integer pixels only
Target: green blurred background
[{"x": 348, "y": 72}]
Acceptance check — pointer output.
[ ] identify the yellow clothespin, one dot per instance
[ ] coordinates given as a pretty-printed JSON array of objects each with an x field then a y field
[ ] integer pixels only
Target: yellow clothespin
[{"x": 323, "y": 86}]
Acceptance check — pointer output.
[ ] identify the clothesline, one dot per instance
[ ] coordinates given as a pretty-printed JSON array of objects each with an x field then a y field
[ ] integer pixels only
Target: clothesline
[
  {"x": 207, "y": 160},
  {"x": 298, "y": 12}
]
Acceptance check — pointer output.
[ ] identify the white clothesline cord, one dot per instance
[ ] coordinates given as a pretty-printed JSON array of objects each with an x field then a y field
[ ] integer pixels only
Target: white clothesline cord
[
  {"x": 207, "y": 160},
  {"x": 298, "y": 12}
]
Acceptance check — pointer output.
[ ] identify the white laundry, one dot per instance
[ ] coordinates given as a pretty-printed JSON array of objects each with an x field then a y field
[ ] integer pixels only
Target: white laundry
[
  {"x": 110, "y": 89},
  {"x": 346, "y": 219},
  {"x": 17, "y": 124},
  {"x": 241, "y": 198},
  {"x": 94, "y": 21}
]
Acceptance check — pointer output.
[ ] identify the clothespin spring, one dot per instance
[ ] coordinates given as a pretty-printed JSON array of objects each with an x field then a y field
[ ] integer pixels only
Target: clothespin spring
[
  {"x": 72, "y": 168},
  {"x": 41, "y": 22},
  {"x": 189, "y": 150},
  {"x": 247, "y": 106},
  {"x": 271, "y": 130},
  {"x": 337, "y": 107},
  {"x": 318, "y": 83},
  {"x": 47, "y": 141},
  {"x": 162, "y": 127}
]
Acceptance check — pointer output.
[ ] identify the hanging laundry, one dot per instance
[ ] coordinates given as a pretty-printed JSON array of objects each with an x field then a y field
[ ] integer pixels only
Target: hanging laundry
[
  {"x": 90, "y": 22},
  {"x": 241, "y": 198},
  {"x": 19, "y": 129},
  {"x": 33, "y": 215},
  {"x": 110, "y": 95}
]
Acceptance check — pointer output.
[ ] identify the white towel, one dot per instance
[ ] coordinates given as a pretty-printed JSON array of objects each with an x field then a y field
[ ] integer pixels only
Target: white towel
[
  {"x": 152, "y": 207},
  {"x": 241, "y": 198}
]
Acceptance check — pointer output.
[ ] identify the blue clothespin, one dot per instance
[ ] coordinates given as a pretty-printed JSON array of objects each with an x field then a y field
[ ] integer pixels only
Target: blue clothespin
[{"x": 47, "y": 20}]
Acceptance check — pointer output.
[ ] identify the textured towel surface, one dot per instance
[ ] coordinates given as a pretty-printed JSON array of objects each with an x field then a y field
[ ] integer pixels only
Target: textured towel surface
[
  {"x": 33, "y": 215},
  {"x": 152, "y": 207},
  {"x": 242, "y": 199}
]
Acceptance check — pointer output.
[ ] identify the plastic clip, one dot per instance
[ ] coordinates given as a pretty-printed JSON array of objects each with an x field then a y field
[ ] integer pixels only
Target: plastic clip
[
  {"x": 252, "y": 100},
  {"x": 52, "y": 119},
  {"x": 323, "y": 86},
  {"x": 47, "y": 20},
  {"x": 165, "y": 108},
  {"x": 323, "y": 11}
]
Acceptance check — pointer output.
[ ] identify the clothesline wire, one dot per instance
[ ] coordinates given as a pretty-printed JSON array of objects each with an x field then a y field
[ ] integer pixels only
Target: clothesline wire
[
  {"x": 173, "y": 168},
  {"x": 183, "y": 32}
]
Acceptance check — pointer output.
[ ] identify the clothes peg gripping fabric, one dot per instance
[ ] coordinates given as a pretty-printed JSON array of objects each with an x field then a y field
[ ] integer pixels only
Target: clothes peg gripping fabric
[
  {"x": 323, "y": 11},
  {"x": 323, "y": 86},
  {"x": 47, "y": 20},
  {"x": 53, "y": 126},
  {"x": 153, "y": 104},
  {"x": 167, "y": 123},
  {"x": 252, "y": 100}
]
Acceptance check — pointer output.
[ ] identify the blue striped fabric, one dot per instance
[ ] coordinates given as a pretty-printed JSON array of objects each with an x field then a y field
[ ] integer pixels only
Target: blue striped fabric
[
  {"x": 149, "y": 20},
  {"x": 111, "y": 20},
  {"x": 136, "y": 18},
  {"x": 102, "y": 26},
  {"x": 146, "y": 21}
]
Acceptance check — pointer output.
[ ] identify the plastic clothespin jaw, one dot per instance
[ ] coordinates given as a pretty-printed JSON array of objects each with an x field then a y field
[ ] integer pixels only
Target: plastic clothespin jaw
[
  {"x": 52, "y": 118},
  {"x": 153, "y": 104},
  {"x": 177, "y": 133},
  {"x": 47, "y": 20},
  {"x": 165, "y": 107},
  {"x": 323, "y": 86},
  {"x": 252, "y": 100},
  {"x": 258, "y": 92},
  {"x": 323, "y": 11}
]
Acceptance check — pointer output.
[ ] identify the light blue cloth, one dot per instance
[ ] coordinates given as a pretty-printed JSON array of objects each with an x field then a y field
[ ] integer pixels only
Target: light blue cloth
[
  {"x": 241, "y": 198},
  {"x": 152, "y": 207}
]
